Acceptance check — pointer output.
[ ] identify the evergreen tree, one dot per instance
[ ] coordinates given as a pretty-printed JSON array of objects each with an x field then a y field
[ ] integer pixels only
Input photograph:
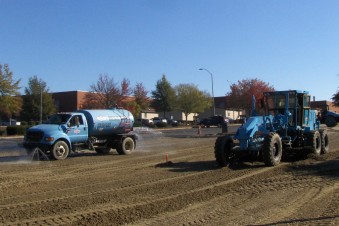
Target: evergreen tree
[
  {"x": 163, "y": 96},
  {"x": 37, "y": 101},
  {"x": 335, "y": 98}
]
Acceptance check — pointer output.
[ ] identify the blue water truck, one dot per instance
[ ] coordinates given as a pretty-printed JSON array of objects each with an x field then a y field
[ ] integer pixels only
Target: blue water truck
[{"x": 98, "y": 130}]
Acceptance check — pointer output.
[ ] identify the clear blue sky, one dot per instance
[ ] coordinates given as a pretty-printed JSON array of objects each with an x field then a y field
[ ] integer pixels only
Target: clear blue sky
[{"x": 290, "y": 44}]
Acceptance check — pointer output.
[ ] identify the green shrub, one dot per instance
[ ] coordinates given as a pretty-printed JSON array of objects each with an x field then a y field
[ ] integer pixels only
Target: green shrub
[
  {"x": 137, "y": 124},
  {"x": 16, "y": 130},
  {"x": 161, "y": 124}
]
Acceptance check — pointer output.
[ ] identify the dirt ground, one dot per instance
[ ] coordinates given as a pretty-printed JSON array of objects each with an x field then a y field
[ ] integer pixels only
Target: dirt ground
[{"x": 190, "y": 189}]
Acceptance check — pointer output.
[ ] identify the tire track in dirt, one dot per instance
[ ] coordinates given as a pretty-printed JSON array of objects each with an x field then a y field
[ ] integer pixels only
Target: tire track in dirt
[
  {"x": 47, "y": 175},
  {"x": 151, "y": 203},
  {"x": 213, "y": 195},
  {"x": 103, "y": 181},
  {"x": 218, "y": 211}
]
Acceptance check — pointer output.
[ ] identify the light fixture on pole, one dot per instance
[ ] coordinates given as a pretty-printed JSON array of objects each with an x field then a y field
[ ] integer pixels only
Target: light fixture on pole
[{"x": 204, "y": 69}]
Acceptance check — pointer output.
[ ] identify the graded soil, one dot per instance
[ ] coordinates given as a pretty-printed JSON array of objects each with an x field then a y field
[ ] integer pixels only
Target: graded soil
[{"x": 169, "y": 181}]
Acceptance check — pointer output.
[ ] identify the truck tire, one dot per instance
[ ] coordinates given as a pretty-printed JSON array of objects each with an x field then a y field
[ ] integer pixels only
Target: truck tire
[
  {"x": 314, "y": 142},
  {"x": 60, "y": 150},
  {"x": 325, "y": 147},
  {"x": 126, "y": 146},
  {"x": 330, "y": 121},
  {"x": 223, "y": 150},
  {"x": 272, "y": 150}
]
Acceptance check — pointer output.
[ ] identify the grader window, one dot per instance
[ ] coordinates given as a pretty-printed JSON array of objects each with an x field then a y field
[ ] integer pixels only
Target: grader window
[
  {"x": 307, "y": 101},
  {"x": 276, "y": 103}
]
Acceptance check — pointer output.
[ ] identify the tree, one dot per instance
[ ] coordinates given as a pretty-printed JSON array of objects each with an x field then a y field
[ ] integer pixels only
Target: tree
[
  {"x": 241, "y": 94},
  {"x": 335, "y": 98},
  {"x": 37, "y": 101},
  {"x": 141, "y": 99},
  {"x": 105, "y": 93},
  {"x": 10, "y": 100},
  {"x": 163, "y": 96},
  {"x": 189, "y": 99}
]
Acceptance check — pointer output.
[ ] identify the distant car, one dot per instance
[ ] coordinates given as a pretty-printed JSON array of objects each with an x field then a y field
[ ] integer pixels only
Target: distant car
[
  {"x": 147, "y": 122},
  {"x": 12, "y": 122},
  {"x": 172, "y": 122},
  {"x": 229, "y": 120},
  {"x": 213, "y": 121},
  {"x": 159, "y": 120}
]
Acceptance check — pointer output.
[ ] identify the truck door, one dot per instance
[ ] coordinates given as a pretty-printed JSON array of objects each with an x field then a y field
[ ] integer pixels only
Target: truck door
[{"x": 77, "y": 129}]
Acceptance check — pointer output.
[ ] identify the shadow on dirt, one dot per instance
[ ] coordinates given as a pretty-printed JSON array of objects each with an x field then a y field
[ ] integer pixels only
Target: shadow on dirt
[
  {"x": 313, "y": 166},
  {"x": 13, "y": 159},
  {"x": 200, "y": 166},
  {"x": 189, "y": 166}
]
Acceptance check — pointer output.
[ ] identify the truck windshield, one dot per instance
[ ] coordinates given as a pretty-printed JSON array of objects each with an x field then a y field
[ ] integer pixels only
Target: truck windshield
[{"x": 58, "y": 119}]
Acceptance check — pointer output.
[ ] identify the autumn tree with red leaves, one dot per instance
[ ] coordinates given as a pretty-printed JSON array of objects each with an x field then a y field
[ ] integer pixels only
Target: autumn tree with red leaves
[
  {"x": 241, "y": 94},
  {"x": 106, "y": 93}
]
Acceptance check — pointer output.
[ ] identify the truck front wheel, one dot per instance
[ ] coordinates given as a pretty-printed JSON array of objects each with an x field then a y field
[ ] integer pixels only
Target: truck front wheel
[
  {"x": 60, "y": 150},
  {"x": 126, "y": 146}
]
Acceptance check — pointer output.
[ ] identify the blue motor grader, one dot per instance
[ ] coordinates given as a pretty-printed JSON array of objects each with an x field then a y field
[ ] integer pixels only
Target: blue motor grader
[{"x": 288, "y": 124}]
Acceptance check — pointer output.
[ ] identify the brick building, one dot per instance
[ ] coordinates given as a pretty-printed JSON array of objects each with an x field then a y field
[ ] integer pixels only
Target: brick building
[
  {"x": 324, "y": 105},
  {"x": 69, "y": 101}
]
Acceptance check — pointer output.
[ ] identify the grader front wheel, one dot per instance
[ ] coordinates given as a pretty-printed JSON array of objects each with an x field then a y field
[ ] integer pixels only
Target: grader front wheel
[
  {"x": 223, "y": 150},
  {"x": 272, "y": 151}
]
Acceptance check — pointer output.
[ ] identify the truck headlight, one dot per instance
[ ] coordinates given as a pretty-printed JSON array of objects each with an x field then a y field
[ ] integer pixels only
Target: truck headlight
[{"x": 49, "y": 139}]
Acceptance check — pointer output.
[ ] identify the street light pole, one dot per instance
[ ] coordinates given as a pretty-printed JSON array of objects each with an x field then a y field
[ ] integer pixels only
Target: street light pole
[
  {"x": 204, "y": 69},
  {"x": 40, "y": 103}
]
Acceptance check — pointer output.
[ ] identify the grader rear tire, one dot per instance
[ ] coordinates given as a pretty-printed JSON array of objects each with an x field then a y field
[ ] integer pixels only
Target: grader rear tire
[
  {"x": 314, "y": 142},
  {"x": 272, "y": 151},
  {"x": 223, "y": 150},
  {"x": 325, "y": 147}
]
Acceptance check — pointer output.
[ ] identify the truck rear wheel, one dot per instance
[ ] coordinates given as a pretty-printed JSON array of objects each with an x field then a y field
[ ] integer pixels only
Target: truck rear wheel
[
  {"x": 272, "y": 151},
  {"x": 314, "y": 142},
  {"x": 126, "y": 146},
  {"x": 60, "y": 150},
  {"x": 325, "y": 147},
  {"x": 330, "y": 121},
  {"x": 223, "y": 150}
]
